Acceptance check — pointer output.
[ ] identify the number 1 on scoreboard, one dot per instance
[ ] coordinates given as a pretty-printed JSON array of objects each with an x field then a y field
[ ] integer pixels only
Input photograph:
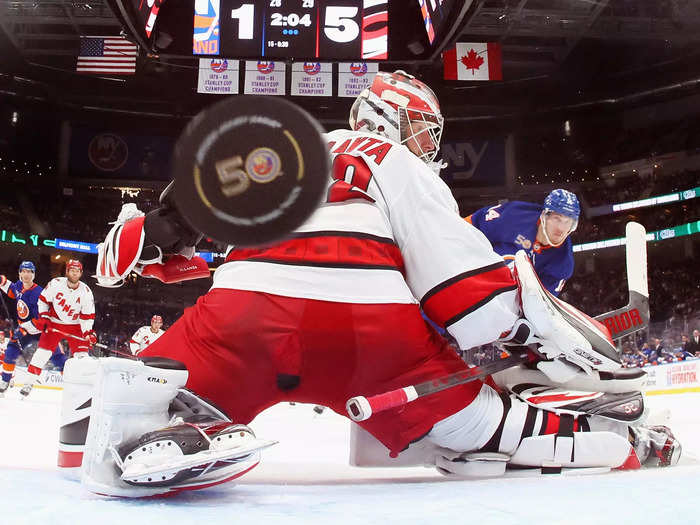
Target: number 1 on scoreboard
[{"x": 245, "y": 15}]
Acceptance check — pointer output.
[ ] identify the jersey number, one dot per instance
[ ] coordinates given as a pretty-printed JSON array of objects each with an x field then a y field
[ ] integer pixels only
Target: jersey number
[
  {"x": 492, "y": 214},
  {"x": 352, "y": 177}
]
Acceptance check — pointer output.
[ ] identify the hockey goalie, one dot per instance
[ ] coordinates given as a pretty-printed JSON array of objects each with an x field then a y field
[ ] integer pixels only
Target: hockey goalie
[{"x": 333, "y": 311}]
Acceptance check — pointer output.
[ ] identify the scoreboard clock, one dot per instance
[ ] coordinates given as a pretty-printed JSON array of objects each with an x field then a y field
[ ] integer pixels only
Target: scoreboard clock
[{"x": 281, "y": 29}]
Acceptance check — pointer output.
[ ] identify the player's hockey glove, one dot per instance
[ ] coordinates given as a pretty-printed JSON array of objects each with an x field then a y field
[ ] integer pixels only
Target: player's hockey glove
[
  {"x": 90, "y": 338},
  {"x": 35, "y": 326}
]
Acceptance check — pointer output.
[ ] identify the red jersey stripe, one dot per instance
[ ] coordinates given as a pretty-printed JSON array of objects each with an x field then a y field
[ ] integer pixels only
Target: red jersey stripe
[
  {"x": 330, "y": 249},
  {"x": 455, "y": 298}
]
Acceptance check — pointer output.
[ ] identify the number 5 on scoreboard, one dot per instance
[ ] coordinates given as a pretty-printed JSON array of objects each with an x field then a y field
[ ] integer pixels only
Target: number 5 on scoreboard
[{"x": 339, "y": 25}]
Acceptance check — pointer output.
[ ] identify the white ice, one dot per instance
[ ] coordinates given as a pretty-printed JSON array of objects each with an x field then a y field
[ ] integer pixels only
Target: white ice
[{"x": 306, "y": 479}]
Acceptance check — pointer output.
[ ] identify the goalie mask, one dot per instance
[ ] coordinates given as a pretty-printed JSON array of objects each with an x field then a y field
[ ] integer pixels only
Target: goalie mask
[{"x": 403, "y": 109}]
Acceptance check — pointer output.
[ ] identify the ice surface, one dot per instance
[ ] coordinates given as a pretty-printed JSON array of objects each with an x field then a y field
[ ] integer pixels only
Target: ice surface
[{"x": 306, "y": 479}]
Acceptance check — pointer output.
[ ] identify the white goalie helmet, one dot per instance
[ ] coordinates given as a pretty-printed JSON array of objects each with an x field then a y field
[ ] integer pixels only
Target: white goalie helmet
[{"x": 401, "y": 108}]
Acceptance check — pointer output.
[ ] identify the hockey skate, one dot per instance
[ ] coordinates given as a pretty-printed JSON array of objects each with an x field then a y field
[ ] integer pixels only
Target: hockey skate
[
  {"x": 186, "y": 453},
  {"x": 4, "y": 385},
  {"x": 656, "y": 446},
  {"x": 26, "y": 389}
]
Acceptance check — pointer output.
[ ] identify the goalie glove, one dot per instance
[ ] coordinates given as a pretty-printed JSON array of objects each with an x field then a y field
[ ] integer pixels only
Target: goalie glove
[
  {"x": 177, "y": 268},
  {"x": 137, "y": 241}
]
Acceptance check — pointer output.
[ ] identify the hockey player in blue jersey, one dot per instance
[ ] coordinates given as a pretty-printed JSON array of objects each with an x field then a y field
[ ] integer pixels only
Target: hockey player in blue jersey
[
  {"x": 26, "y": 294},
  {"x": 542, "y": 231}
]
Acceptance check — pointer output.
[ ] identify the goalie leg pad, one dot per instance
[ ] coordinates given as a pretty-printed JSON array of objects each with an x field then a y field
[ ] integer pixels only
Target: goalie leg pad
[
  {"x": 531, "y": 437},
  {"x": 626, "y": 407},
  {"x": 580, "y": 449},
  {"x": 136, "y": 447},
  {"x": 563, "y": 330},
  {"x": 129, "y": 399},
  {"x": 79, "y": 375},
  {"x": 618, "y": 381}
]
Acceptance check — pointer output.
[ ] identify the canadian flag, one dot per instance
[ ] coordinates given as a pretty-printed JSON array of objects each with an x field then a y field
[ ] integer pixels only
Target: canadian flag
[{"x": 473, "y": 61}]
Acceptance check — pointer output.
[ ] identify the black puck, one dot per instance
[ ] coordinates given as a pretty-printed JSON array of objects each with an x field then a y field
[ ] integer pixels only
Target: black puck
[{"x": 249, "y": 170}]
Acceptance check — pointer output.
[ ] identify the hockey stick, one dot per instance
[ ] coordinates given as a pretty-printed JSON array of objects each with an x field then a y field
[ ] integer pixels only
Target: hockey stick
[
  {"x": 76, "y": 337},
  {"x": 98, "y": 345},
  {"x": 360, "y": 408},
  {"x": 7, "y": 310},
  {"x": 635, "y": 316},
  {"x": 636, "y": 313}
]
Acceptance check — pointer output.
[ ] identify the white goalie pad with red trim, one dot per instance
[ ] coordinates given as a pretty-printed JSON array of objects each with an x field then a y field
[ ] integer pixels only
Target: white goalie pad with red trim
[
  {"x": 562, "y": 330},
  {"x": 121, "y": 249}
]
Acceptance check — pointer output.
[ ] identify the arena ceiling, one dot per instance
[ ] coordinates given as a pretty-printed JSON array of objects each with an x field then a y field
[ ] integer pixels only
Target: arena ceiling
[{"x": 556, "y": 54}]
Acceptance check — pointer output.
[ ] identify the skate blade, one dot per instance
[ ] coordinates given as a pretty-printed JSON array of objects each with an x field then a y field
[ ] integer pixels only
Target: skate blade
[{"x": 206, "y": 457}]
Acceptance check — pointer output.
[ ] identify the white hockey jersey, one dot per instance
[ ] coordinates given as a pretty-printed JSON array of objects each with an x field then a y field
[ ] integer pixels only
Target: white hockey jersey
[
  {"x": 389, "y": 232},
  {"x": 143, "y": 337},
  {"x": 64, "y": 305}
]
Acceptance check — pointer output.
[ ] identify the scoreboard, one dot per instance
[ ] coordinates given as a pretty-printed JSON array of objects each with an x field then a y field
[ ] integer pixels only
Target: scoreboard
[{"x": 281, "y": 29}]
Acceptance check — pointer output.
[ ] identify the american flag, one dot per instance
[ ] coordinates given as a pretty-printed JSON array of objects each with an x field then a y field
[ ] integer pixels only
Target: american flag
[{"x": 107, "y": 55}]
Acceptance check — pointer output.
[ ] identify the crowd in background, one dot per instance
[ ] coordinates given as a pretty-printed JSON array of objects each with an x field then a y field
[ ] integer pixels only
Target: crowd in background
[
  {"x": 632, "y": 187},
  {"x": 82, "y": 212}
]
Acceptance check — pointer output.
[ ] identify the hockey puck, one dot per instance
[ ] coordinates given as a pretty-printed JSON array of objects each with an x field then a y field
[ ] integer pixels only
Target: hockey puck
[{"x": 248, "y": 170}]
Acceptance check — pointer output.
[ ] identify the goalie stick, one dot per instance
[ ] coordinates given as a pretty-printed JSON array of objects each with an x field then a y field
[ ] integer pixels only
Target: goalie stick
[
  {"x": 621, "y": 322},
  {"x": 635, "y": 316}
]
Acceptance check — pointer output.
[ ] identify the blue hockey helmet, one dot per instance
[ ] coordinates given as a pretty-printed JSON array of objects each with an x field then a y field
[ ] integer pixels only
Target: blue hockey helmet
[
  {"x": 27, "y": 265},
  {"x": 563, "y": 202}
]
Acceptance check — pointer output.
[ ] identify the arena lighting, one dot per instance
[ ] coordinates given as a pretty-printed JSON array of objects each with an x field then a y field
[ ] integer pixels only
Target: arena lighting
[
  {"x": 129, "y": 192},
  {"x": 690, "y": 228},
  {"x": 661, "y": 199}
]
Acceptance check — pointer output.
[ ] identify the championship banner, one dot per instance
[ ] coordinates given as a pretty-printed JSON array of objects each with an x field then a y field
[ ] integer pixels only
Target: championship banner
[
  {"x": 218, "y": 76},
  {"x": 312, "y": 79},
  {"x": 353, "y": 77},
  {"x": 264, "y": 78},
  {"x": 473, "y": 61}
]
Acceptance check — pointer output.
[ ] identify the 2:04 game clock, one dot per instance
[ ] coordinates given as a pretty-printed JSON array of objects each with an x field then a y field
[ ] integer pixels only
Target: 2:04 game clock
[{"x": 322, "y": 29}]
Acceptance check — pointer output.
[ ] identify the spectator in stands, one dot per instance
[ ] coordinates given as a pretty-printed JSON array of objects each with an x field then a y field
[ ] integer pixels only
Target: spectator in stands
[
  {"x": 658, "y": 349},
  {"x": 692, "y": 345}
]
